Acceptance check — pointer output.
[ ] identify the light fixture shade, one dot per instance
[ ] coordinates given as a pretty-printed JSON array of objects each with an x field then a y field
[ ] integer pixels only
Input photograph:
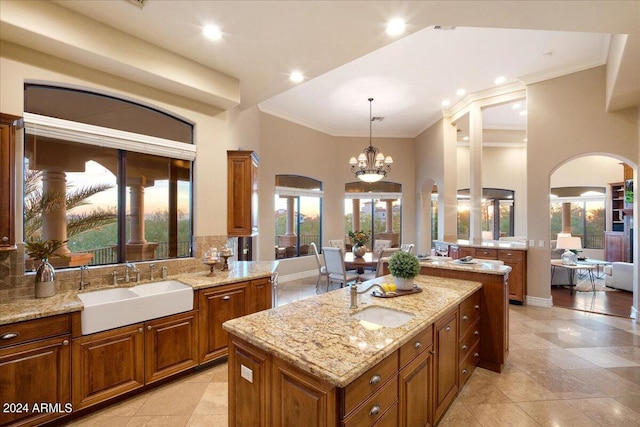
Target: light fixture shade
[
  {"x": 371, "y": 165},
  {"x": 569, "y": 242}
]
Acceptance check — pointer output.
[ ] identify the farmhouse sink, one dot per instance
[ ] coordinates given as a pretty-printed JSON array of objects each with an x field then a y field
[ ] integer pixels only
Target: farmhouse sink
[
  {"x": 112, "y": 308},
  {"x": 383, "y": 316}
]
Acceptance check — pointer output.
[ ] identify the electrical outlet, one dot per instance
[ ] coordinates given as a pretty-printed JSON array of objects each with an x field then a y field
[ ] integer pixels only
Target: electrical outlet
[
  {"x": 532, "y": 243},
  {"x": 541, "y": 243}
]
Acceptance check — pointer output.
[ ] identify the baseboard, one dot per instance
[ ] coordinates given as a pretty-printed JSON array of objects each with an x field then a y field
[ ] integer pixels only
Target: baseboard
[
  {"x": 540, "y": 302},
  {"x": 635, "y": 314},
  {"x": 297, "y": 276}
]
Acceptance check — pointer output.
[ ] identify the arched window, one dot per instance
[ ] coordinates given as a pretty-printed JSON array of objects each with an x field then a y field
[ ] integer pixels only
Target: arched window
[
  {"x": 298, "y": 215},
  {"x": 110, "y": 176}
]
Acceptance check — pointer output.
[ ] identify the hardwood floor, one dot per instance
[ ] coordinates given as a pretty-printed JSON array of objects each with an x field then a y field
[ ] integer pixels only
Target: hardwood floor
[{"x": 613, "y": 302}]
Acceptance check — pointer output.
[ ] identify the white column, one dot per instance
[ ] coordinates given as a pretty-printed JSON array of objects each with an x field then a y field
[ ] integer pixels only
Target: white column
[
  {"x": 566, "y": 217},
  {"x": 136, "y": 216},
  {"x": 448, "y": 187},
  {"x": 290, "y": 209},
  {"x": 356, "y": 214},
  {"x": 389, "y": 216},
  {"x": 54, "y": 220},
  {"x": 475, "y": 160}
]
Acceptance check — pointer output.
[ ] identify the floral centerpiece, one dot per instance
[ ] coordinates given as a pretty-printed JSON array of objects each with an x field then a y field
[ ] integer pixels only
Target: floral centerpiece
[
  {"x": 359, "y": 239},
  {"x": 404, "y": 267}
]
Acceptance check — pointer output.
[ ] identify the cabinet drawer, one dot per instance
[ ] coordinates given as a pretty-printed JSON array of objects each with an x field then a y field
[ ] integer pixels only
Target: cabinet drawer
[
  {"x": 469, "y": 312},
  {"x": 389, "y": 419},
  {"x": 470, "y": 340},
  {"x": 30, "y": 330},
  {"x": 416, "y": 345},
  {"x": 377, "y": 405},
  {"x": 469, "y": 363},
  {"x": 464, "y": 251},
  {"x": 506, "y": 255},
  {"x": 486, "y": 253},
  {"x": 370, "y": 382}
]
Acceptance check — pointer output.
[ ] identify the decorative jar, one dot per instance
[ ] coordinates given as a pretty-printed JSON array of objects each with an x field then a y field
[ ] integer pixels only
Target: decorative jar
[
  {"x": 45, "y": 280},
  {"x": 359, "y": 250}
]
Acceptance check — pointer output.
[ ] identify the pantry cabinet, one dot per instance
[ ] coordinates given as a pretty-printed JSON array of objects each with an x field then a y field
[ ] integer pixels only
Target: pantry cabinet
[
  {"x": 9, "y": 124},
  {"x": 242, "y": 193}
]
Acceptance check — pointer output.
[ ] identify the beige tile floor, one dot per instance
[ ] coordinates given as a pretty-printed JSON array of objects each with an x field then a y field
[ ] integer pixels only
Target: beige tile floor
[{"x": 565, "y": 368}]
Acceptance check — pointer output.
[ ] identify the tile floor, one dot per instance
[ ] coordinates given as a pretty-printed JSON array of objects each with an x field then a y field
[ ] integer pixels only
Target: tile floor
[{"x": 565, "y": 368}]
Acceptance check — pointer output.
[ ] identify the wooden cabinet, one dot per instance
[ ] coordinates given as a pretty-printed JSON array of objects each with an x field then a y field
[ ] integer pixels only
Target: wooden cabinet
[
  {"x": 222, "y": 303},
  {"x": 617, "y": 206},
  {"x": 171, "y": 345},
  {"x": 110, "y": 363},
  {"x": 8, "y": 126},
  {"x": 445, "y": 362},
  {"x": 242, "y": 193},
  {"x": 415, "y": 381},
  {"x": 614, "y": 246},
  {"x": 35, "y": 369},
  {"x": 469, "y": 341},
  {"x": 517, "y": 260},
  {"x": 107, "y": 364}
]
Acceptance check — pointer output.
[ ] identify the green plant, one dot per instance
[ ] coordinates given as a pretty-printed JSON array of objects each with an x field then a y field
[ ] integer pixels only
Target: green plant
[
  {"x": 403, "y": 264},
  {"x": 39, "y": 249},
  {"x": 359, "y": 237}
]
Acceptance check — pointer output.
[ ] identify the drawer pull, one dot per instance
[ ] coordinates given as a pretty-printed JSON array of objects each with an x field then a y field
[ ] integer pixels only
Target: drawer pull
[
  {"x": 476, "y": 333},
  {"x": 464, "y": 347},
  {"x": 375, "y": 410},
  {"x": 226, "y": 297},
  {"x": 433, "y": 352},
  {"x": 149, "y": 328},
  {"x": 477, "y": 307},
  {"x": 375, "y": 379},
  {"x": 448, "y": 328},
  {"x": 10, "y": 335},
  {"x": 476, "y": 354},
  {"x": 65, "y": 342},
  {"x": 464, "y": 372},
  {"x": 465, "y": 317},
  {"x": 417, "y": 345}
]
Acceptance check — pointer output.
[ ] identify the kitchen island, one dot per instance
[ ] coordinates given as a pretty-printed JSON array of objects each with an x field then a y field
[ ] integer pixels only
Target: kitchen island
[{"x": 313, "y": 363}]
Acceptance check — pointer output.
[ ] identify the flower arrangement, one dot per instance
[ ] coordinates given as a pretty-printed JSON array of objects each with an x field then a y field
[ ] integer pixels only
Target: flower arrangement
[
  {"x": 40, "y": 249},
  {"x": 359, "y": 237},
  {"x": 404, "y": 265}
]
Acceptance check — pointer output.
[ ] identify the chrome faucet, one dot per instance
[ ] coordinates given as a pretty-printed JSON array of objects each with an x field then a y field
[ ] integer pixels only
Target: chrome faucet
[
  {"x": 151, "y": 267},
  {"x": 133, "y": 267},
  {"x": 165, "y": 271},
  {"x": 353, "y": 292},
  {"x": 83, "y": 284}
]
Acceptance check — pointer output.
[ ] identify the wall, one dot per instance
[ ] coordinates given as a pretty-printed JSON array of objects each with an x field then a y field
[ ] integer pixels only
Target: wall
[{"x": 567, "y": 119}]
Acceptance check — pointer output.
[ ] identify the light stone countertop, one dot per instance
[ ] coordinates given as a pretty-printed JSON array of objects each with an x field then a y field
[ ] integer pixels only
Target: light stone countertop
[
  {"x": 479, "y": 265},
  {"x": 319, "y": 335},
  {"x": 495, "y": 244},
  {"x": 67, "y": 302}
]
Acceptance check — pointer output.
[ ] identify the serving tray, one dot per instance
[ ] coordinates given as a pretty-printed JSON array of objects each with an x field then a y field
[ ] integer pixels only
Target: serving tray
[{"x": 398, "y": 293}]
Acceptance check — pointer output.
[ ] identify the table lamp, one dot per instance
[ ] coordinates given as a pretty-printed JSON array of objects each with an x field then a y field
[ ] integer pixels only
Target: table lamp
[{"x": 569, "y": 243}]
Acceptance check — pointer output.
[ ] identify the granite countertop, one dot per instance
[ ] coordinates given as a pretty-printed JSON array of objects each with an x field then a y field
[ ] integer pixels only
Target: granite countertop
[
  {"x": 67, "y": 302},
  {"x": 494, "y": 244},
  {"x": 319, "y": 335},
  {"x": 478, "y": 265}
]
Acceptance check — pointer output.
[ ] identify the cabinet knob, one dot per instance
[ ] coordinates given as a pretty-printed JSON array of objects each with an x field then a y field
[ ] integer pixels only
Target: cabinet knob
[
  {"x": 5, "y": 239},
  {"x": 464, "y": 347},
  {"x": 476, "y": 333},
  {"x": 65, "y": 342},
  {"x": 477, "y": 307},
  {"x": 149, "y": 327},
  {"x": 417, "y": 345},
  {"x": 375, "y": 410},
  {"x": 476, "y": 354},
  {"x": 448, "y": 328},
  {"x": 464, "y": 372},
  {"x": 433, "y": 352},
  {"x": 9, "y": 335},
  {"x": 139, "y": 330},
  {"x": 226, "y": 297},
  {"x": 375, "y": 379},
  {"x": 465, "y": 317}
]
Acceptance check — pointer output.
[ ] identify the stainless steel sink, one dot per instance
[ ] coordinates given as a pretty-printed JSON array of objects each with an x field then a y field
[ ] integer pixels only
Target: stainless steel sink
[
  {"x": 112, "y": 308},
  {"x": 382, "y": 316}
]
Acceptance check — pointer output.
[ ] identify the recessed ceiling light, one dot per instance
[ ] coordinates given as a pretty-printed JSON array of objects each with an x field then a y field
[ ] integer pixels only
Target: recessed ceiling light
[
  {"x": 501, "y": 79},
  {"x": 212, "y": 32},
  {"x": 516, "y": 106},
  {"x": 396, "y": 27},
  {"x": 461, "y": 92},
  {"x": 445, "y": 102},
  {"x": 523, "y": 113},
  {"x": 296, "y": 76}
]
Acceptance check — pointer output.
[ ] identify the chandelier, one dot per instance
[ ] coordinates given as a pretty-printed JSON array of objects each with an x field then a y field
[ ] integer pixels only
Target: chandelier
[{"x": 371, "y": 165}]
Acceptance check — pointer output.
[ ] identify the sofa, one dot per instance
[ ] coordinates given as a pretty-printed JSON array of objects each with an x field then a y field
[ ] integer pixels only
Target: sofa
[{"x": 619, "y": 275}]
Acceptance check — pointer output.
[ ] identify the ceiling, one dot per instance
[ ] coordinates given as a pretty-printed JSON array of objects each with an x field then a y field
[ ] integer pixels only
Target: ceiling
[{"x": 346, "y": 56}]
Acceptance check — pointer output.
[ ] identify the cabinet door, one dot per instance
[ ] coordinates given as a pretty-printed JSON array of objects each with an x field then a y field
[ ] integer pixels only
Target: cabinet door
[
  {"x": 446, "y": 362},
  {"x": 260, "y": 297},
  {"x": 614, "y": 250},
  {"x": 107, "y": 364},
  {"x": 464, "y": 251},
  {"x": 415, "y": 398},
  {"x": 7, "y": 179},
  {"x": 249, "y": 379},
  {"x": 35, "y": 373},
  {"x": 216, "y": 307},
  {"x": 171, "y": 345},
  {"x": 241, "y": 193}
]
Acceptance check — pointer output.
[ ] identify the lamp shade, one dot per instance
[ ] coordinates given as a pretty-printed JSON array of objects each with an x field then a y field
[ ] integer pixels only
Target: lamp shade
[{"x": 570, "y": 242}]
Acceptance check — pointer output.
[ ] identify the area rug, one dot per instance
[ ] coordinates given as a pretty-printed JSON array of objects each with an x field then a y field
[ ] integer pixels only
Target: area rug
[{"x": 586, "y": 287}]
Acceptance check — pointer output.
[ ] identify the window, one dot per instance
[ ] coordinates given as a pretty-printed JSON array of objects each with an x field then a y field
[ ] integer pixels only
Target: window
[
  {"x": 298, "y": 222},
  {"x": 496, "y": 213},
  {"x": 375, "y": 208},
  {"x": 587, "y": 220},
  {"x": 116, "y": 195}
]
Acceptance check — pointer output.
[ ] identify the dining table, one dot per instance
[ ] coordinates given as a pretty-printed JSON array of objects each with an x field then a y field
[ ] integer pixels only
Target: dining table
[{"x": 352, "y": 262}]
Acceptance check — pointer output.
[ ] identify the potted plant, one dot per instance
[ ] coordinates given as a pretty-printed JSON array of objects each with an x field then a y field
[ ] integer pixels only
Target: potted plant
[
  {"x": 42, "y": 250},
  {"x": 359, "y": 239},
  {"x": 404, "y": 267}
]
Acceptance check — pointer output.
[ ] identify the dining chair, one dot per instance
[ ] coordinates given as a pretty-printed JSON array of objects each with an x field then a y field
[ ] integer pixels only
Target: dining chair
[
  {"x": 304, "y": 250},
  {"x": 384, "y": 257},
  {"x": 379, "y": 245},
  {"x": 337, "y": 244},
  {"x": 406, "y": 247},
  {"x": 322, "y": 270},
  {"x": 290, "y": 252},
  {"x": 336, "y": 271}
]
